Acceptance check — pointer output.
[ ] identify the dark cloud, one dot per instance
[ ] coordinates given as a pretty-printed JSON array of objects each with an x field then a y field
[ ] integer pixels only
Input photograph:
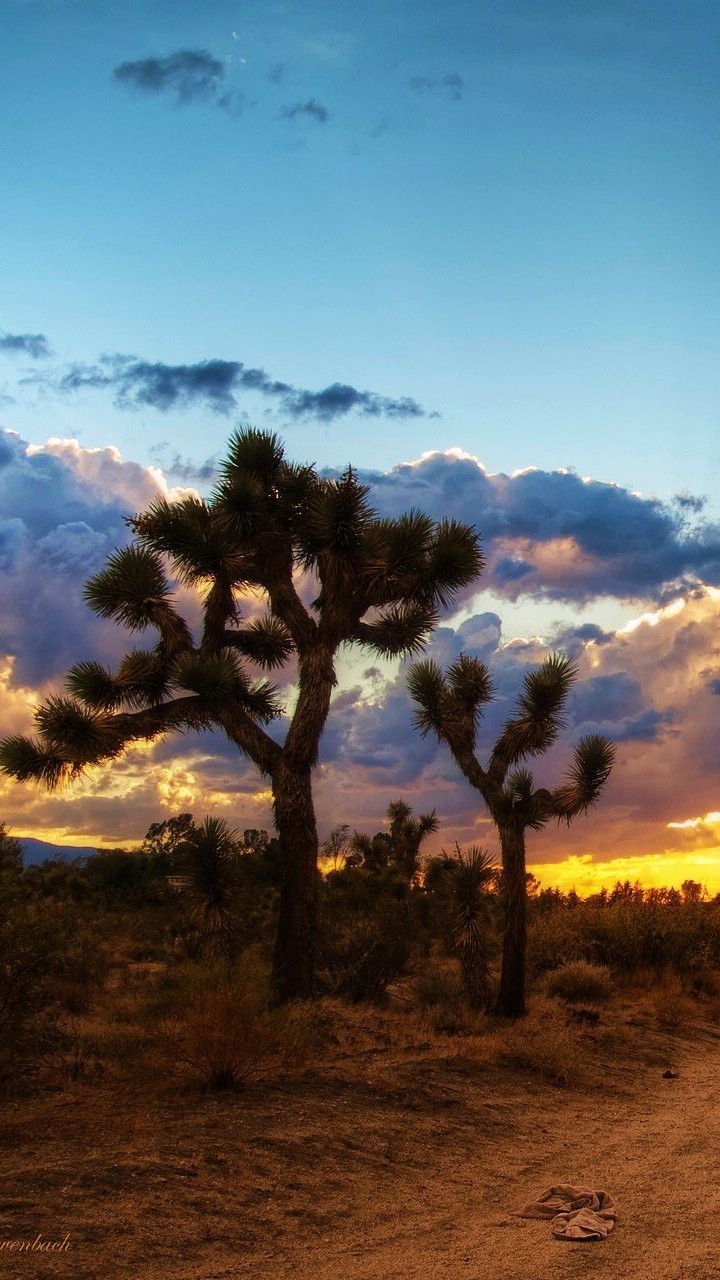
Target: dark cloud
[
  {"x": 714, "y": 686},
  {"x": 689, "y": 502},
  {"x": 450, "y": 86},
  {"x": 276, "y": 73},
  {"x": 339, "y": 399},
  {"x": 310, "y": 110},
  {"x": 188, "y": 73},
  {"x": 572, "y": 640},
  {"x": 34, "y": 345},
  {"x": 553, "y": 535},
  {"x": 605, "y": 698},
  {"x": 216, "y": 383}
]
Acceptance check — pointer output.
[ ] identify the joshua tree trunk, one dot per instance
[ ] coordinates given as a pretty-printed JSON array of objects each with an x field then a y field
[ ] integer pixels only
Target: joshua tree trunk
[
  {"x": 294, "y": 958},
  {"x": 511, "y": 996}
]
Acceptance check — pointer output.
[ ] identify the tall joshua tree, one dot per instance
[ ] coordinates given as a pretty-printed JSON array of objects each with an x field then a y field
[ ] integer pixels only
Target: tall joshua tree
[
  {"x": 450, "y": 705},
  {"x": 377, "y": 582}
]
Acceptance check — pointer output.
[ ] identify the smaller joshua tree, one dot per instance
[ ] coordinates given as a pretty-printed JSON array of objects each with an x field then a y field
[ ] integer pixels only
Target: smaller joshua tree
[{"x": 450, "y": 705}]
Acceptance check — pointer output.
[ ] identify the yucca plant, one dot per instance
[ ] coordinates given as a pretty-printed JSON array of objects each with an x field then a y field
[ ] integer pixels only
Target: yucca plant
[
  {"x": 208, "y": 862},
  {"x": 378, "y": 582},
  {"x": 450, "y": 705},
  {"x": 469, "y": 882}
]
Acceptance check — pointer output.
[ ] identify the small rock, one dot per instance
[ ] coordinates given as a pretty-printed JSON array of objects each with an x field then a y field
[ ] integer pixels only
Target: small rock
[{"x": 670, "y": 1074}]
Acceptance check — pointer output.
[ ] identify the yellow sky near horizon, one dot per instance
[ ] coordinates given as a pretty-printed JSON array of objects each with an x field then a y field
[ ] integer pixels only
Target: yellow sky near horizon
[{"x": 665, "y": 870}]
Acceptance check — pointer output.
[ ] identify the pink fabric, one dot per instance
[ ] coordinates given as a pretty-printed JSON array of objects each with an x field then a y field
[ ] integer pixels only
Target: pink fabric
[{"x": 575, "y": 1213}]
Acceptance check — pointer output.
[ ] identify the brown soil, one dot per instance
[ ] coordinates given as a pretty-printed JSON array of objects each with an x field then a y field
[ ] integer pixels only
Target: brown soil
[{"x": 407, "y": 1168}]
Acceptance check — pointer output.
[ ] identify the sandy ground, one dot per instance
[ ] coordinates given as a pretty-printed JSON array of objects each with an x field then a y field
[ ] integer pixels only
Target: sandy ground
[{"x": 411, "y": 1176}]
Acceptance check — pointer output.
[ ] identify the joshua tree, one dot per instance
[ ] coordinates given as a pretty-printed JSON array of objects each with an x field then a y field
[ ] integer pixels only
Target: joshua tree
[
  {"x": 398, "y": 848},
  {"x": 406, "y": 835},
  {"x": 377, "y": 582},
  {"x": 450, "y": 705}
]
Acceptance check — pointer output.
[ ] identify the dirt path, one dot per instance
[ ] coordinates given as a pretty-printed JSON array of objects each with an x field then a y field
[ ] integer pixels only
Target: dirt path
[
  {"x": 353, "y": 1180},
  {"x": 659, "y": 1154}
]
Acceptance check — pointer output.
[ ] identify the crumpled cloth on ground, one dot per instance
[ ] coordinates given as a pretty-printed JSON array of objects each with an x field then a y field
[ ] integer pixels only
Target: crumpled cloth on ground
[{"x": 576, "y": 1213}]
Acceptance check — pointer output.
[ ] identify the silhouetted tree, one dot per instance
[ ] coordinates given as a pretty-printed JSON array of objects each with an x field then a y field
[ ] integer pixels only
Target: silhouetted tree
[
  {"x": 450, "y": 705},
  {"x": 377, "y": 582},
  {"x": 163, "y": 839},
  {"x": 406, "y": 836}
]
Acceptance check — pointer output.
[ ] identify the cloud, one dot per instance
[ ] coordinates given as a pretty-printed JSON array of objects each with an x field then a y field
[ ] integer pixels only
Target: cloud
[
  {"x": 310, "y": 110},
  {"x": 644, "y": 687},
  {"x": 188, "y": 75},
  {"x": 184, "y": 469},
  {"x": 556, "y": 536},
  {"x": 450, "y": 86},
  {"x": 138, "y": 383},
  {"x": 649, "y": 686},
  {"x": 62, "y": 512},
  {"x": 34, "y": 345}
]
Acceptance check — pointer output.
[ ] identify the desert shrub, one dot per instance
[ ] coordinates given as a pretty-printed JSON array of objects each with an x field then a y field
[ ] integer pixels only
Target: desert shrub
[
  {"x": 368, "y": 956},
  {"x": 548, "y": 1048},
  {"x": 120, "y": 878},
  {"x": 229, "y": 1032},
  {"x": 369, "y": 928},
  {"x": 703, "y": 980},
  {"x": 552, "y": 934},
  {"x": 439, "y": 993},
  {"x": 672, "y": 1009},
  {"x": 578, "y": 981},
  {"x": 31, "y": 954}
]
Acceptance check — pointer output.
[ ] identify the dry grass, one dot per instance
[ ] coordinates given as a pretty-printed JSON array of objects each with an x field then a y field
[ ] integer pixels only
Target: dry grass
[
  {"x": 673, "y": 1010},
  {"x": 578, "y": 981},
  {"x": 544, "y": 1044}
]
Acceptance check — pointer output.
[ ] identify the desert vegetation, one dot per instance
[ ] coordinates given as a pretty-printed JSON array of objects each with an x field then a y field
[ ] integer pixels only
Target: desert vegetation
[{"x": 159, "y": 960}]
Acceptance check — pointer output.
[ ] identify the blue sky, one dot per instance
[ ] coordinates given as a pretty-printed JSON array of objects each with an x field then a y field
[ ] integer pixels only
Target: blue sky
[
  {"x": 382, "y": 230},
  {"x": 529, "y": 250}
]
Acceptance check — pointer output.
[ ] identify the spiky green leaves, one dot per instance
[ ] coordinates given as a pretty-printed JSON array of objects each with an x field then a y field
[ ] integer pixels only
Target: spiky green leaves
[
  {"x": 256, "y": 453},
  {"x": 70, "y": 737},
  {"x": 95, "y": 686},
  {"x": 217, "y": 679},
  {"x": 337, "y": 519},
  {"x": 133, "y": 589},
  {"x": 414, "y": 559},
  {"x": 470, "y": 931},
  {"x": 427, "y": 688},
  {"x": 75, "y": 731},
  {"x": 194, "y": 536},
  {"x": 143, "y": 679},
  {"x": 265, "y": 640},
  {"x": 455, "y": 560},
  {"x": 589, "y": 771},
  {"x": 400, "y": 629},
  {"x": 260, "y": 496},
  {"x": 450, "y": 705},
  {"x": 29, "y": 760},
  {"x": 539, "y": 714}
]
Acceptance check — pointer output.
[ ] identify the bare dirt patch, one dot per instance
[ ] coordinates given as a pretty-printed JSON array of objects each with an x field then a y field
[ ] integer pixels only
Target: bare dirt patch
[{"x": 392, "y": 1165}]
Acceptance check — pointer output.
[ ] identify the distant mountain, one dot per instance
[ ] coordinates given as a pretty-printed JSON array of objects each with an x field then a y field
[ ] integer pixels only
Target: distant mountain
[{"x": 37, "y": 851}]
